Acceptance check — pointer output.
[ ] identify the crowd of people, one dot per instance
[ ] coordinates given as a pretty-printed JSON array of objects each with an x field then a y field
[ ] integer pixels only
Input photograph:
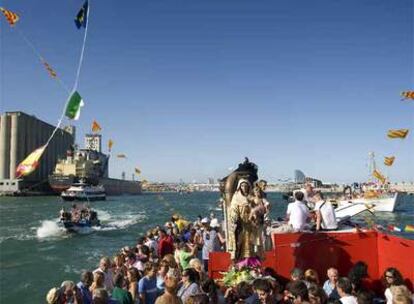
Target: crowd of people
[
  {"x": 170, "y": 264},
  {"x": 78, "y": 214}
]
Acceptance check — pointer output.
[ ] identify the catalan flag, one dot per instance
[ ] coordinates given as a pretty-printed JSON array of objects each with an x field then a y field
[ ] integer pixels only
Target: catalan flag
[
  {"x": 388, "y": 161},
  {"x": 11, "y": 17},
  {"x": 398, "y": 133},
  {"x": 30, "y": 163},
  {"x": 110, "y": 144},
  {"x": 408, "y": 95},
  {"x": 49, "y": 69},
  {"x": 409, "y": 228},
  {"x": 96, "y": 127},
  {"x": 137, "y": 171},
  {"x": 378, "y": 176},
  {"x": 81, "y": 19}
]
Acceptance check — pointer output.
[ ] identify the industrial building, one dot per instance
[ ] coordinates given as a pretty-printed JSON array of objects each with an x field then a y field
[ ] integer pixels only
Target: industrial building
[{"x": 21, "y": 134}]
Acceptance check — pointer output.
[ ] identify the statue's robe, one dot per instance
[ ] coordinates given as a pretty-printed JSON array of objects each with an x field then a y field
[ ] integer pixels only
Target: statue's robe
[{"x": 241, "y": 240}]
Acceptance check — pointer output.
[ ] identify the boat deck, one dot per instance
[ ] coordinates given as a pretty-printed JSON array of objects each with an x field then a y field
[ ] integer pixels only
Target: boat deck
[{"x": 341, "y": 250}]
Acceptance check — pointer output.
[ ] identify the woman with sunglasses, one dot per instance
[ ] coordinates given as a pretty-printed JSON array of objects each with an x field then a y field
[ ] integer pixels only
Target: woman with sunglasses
[
  {"x": 391, "y": 277},
  {"x": 189, "y": 285}
]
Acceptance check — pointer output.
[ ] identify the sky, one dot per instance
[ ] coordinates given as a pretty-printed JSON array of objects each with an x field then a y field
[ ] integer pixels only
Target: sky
[{"x": 187, "y": 89}]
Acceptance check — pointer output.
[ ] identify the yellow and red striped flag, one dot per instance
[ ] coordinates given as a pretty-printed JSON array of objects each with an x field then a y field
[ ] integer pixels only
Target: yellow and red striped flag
[
  {"x": 378, "y": 176},
  {"x": 11, "y": 17},
  {"x": 96, "y": 127},
  {"x": 389, "y": 160},
  {"x": 110, "y": 144},
  {"x": 49, "y": 69},
  {"x": 397, "y": 133},
  {"x": 30, "y": 163},
  {"x": 408, "y": 95}
]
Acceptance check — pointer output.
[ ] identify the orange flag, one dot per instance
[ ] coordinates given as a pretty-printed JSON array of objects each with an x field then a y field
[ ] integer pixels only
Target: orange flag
[
  {"x": 398, "y": 133},
  {"x": 378, "y": 176},
  {"x": 408, "y": 95},
  {"x": 96, "y": 127},
  {"x": 388, "y": 161},
  {"x": 11, "y": 17},
  {"x": 110, "y": 144}
]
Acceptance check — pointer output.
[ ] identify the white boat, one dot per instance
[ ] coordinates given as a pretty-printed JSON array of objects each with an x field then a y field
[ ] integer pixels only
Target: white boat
[
  {"x": 383, "y": 203},
  {"x": 84, "y": 192}
]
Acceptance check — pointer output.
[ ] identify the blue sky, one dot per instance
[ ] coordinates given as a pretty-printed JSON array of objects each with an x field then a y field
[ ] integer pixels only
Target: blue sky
[{"x": 188, "y": 88}]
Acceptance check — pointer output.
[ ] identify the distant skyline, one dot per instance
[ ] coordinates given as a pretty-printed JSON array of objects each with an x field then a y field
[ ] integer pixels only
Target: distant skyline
[{"x": 187, "y": 89}]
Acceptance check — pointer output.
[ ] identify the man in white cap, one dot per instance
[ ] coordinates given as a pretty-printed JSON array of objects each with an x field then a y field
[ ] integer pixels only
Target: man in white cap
[{"x": 210, "y": 241}]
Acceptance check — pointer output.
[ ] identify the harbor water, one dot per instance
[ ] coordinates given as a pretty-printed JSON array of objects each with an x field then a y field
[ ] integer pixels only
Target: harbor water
[{"x": 36, "y": 254}]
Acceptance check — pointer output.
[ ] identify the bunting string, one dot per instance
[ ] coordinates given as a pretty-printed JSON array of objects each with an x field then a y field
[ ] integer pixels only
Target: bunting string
[{"x": 74, "y": 100}]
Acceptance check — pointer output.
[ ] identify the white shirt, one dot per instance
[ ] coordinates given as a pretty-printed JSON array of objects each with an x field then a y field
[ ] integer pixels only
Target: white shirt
[
  {"x": 328, "y": 218},
  {"x": 348, "y": 300},
  {"x": 388, "y": 295},
  {"x": 298, "y": 214}
]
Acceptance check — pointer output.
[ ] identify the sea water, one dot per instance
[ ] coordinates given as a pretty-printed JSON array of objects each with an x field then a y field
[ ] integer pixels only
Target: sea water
[{"x": 37, "y": 254}]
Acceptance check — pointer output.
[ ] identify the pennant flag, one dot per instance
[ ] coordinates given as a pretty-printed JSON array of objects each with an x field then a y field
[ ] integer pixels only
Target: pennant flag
[
  {"x": 388, "y": 161},
  {"x": 137, "y": 171},
  {"x": 30, "y": 163},
  {"x": 378, "y": 176},
  {"x": 49, "y": 69},
  {"x": 74, "y": 106},
  {"x": 393, "y": 228},
  {"x": 409, "y": 228},
  {"x": 397, "y": 133},
  {"x": 96, "y": 127},
  {"x": 408, "y": 95},
  {"x": 121, "y": 156},
  {"x": 11, "y": 17},
  {"x": 82, "y": 17},
  {"x": 110, "y": 144}
]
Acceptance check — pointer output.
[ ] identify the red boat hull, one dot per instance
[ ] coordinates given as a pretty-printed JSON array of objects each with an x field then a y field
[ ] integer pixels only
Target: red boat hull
[{"x": 321, "y": 251}]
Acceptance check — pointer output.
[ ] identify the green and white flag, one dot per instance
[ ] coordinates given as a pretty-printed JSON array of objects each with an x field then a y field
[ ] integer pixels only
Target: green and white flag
[{"x": 74, "y": 106}]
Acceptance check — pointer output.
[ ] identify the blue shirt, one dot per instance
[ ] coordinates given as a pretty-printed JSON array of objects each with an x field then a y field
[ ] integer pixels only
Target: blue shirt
[
  {"x": 328, "y": 287},
  {"x": 86, "y": 294},
  {"x": 149, "y": 288}
]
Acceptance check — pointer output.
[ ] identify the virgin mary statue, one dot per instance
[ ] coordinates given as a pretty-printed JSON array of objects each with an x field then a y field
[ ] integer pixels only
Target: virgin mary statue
[{"x": 241, "y": 228}]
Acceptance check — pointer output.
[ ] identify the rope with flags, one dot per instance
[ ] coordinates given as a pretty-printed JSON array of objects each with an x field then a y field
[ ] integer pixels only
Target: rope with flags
[{"x": 73, "y": 103}]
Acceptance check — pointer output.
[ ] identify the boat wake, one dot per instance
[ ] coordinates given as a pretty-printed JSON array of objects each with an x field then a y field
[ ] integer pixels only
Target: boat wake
[
  {"x": 50, "y": 229},
  {"x": 118, "y": 221}
]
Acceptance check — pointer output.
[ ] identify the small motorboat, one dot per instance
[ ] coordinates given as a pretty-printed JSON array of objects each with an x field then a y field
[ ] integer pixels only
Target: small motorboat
[
  {"x": 80, "y": 221},
  {"x": 385, "y": 202},
  {"x": 84, "y": 192}
]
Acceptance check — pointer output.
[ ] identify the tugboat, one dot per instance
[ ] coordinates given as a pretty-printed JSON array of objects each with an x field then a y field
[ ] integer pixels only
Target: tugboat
[
  {"x": 79, "y": 220},
  {"x": 84, "y": 192}
]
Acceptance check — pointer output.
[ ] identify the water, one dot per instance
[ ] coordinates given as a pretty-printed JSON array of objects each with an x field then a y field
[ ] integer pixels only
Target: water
[{"x": 36, "y": 254}]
